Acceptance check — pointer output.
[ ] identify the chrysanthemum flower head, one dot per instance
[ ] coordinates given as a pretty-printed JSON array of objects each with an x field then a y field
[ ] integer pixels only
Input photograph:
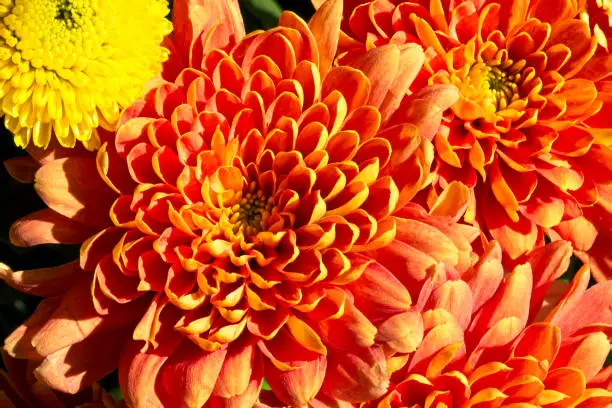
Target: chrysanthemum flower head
[
  {"x": 530, "y": 131},
  {"x": 483, "y": 348},
  {"x": 233, "y": 222},
  {"x": 69, "y": 66}
]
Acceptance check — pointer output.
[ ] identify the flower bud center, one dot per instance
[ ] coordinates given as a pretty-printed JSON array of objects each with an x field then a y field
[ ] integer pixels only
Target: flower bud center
[
  {"x": 492, "y": 86},
  {"x": 250, "y": 214}
]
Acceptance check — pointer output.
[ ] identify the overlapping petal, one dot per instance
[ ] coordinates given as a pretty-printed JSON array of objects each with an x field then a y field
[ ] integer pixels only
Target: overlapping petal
[{"x": 20, "y": 389}]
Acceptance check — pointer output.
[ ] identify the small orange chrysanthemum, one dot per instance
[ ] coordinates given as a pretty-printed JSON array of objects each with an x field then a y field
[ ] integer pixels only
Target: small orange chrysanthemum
[
  {"x": 234, "y": 219},
  {"x": 530, "y": 132},
  {"x": 482, "y": 348},
  {"x": 20, "y": 389}
]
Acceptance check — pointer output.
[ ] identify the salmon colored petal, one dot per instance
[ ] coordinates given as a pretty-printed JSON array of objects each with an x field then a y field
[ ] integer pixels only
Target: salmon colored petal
[
  {"x": 18, "y": 344},
  {"x": 44, "y": 281},
  {"x": 70, "y": 369},
  {"x": 188, "y": 376},
  {"x": 402, "y": 333},
  {"x": 381, "y": 66},
  {"x": 325, "y": 26},
  {"x": 75, "y": 319},
  {"x": 235, "y": 376},
  {"x": 572, "y": 297},
  {"x": 64, "y": 188},
  {"x": 195, "y": 18},
  {"x": 580, "y": 231},
  {"x": 378, "y": 294},
  {"x": 485, "y": 276},
  {"x": 511, "y": 300},
  {"x": 592, "y": 307},
  {"x": 411, "y": 60},
  {"x": 136, "y": 370},
  {"x": 351, "y": 329},
  {"x": 588, "y": 354},
  {"x": 249, "y": 396},
  {"x": 296, "y": 386},
  {"x": 428, "y": 240},
  {"x": 425, "y": 108},
  {"x": 548, "y": 263},
  {"x": 456, "y": 298},
  {"x": 47, "y": 227},
  {"x": 359, "y": 375}
]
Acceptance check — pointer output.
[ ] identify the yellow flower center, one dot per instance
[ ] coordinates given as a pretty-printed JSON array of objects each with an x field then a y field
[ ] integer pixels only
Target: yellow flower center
[
  {"x": 53, "y": 34},
  {"x": 490, "y": 86},
  {"x": 250, "y": 214}
]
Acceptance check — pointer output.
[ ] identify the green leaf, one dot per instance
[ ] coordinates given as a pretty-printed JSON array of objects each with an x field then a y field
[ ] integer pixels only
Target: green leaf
[
  {"x": 266, "y": 12},
  {"x": 265, "y": 386}
]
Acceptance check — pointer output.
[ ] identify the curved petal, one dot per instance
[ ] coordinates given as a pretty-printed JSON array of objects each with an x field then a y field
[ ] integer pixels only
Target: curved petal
[
  {"x": 47, "y": 227},
  {"x": 72, "y": 187},
  {"x": 43, "y": 281}
]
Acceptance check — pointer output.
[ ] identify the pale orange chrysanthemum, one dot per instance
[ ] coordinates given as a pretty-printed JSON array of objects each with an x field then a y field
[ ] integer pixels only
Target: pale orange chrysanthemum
[
  {"x": 233, "y": 222},
  {"x": 530, "y": 132},
  {"x": 482, "y": 347}
]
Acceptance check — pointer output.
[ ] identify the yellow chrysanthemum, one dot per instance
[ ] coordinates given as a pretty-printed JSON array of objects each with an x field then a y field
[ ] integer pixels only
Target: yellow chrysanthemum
[{"x": 68, "y": 66}]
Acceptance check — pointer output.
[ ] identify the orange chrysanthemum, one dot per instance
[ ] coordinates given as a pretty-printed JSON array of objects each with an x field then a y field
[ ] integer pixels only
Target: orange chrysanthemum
[
  {"x": 530, "y": 132},
  {"x": 236, "y": 215},
  {"x": 20, "y": 389},
  {"x": 482, "y": 348}
]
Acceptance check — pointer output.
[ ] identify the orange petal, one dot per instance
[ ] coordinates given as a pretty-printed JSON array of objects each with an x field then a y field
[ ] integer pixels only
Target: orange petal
[
  {"x": 73, "y": 368},
  {"x": 378, "y": 294},
  {"x": 486, "y": 275},
  {"x": 411, "y": 60},
  {"x": 47, "y": 227},
  {"x": 359, "y": 375},
  {"x": 138, "y": 372},
  {"x": 44, "y": 281},
  {"x": 235, "y": 376},
  {"x": 188, "y": 376},
  {"x": 381, "y": 66},
  {"x": 72, "y": 188},
  {"x": 403, "y": 332},
  {"x": 548, "y": 263},
  {"x": 325, "y": 26},
  {"x": 594, "y": 306},
  {"x": 511, "y": 300},
  {"x": 540, "y": 340},
  {"x": 587, "y": 354},
  {"x": 452, "y": 202}
]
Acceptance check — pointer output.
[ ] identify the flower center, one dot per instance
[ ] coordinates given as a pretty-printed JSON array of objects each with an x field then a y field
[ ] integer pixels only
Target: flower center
[
  {"x": 250, "y": 214},
  {"x": 70, "y": 15},
  {"x": 491, "y": 86},
  {"x": 53, "y": 34}
]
